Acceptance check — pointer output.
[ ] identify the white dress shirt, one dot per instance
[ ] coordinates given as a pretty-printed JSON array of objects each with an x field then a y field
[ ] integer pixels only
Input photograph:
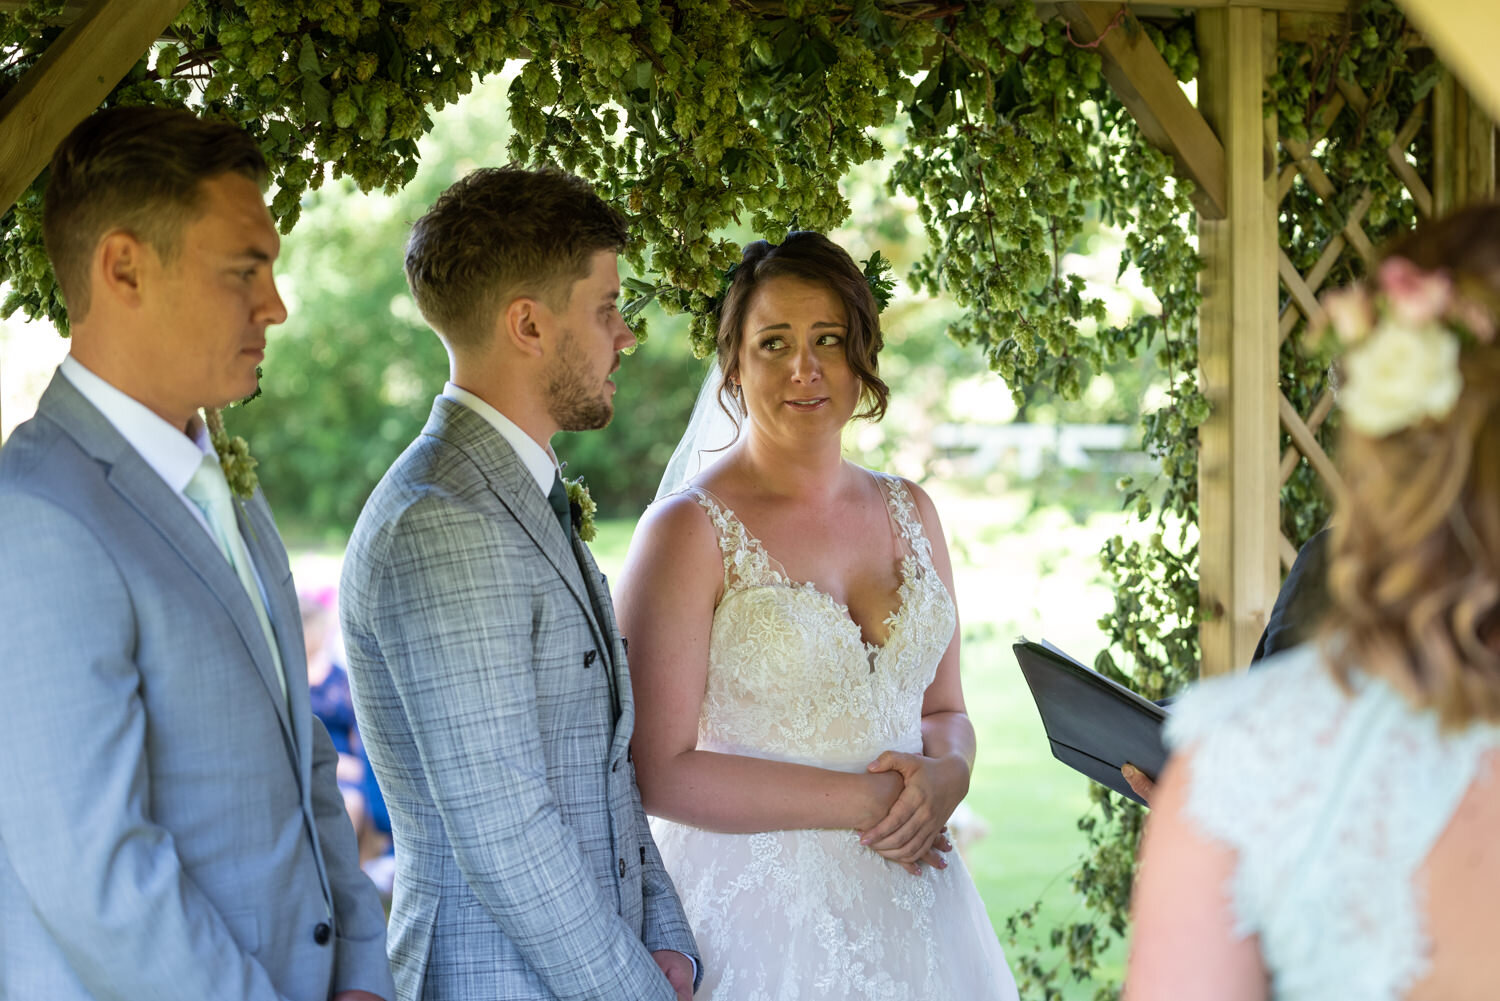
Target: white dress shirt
[{"x": 167, "y": 450}]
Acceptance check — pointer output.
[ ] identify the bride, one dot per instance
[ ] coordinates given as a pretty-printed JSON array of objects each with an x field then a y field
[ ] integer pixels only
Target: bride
[{"x": 794, "y": 646}]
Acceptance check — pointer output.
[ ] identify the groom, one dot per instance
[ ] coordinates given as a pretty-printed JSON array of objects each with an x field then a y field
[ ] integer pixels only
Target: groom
[{"x": 488, "y": 673}]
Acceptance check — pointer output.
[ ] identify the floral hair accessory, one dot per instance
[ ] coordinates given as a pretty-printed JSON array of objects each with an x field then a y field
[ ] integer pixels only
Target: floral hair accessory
[{"x": 1402, "y": 341}]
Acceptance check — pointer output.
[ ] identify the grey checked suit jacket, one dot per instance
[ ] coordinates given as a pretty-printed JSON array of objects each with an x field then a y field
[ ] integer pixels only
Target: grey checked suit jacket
[
  {"x": 491, "y": 687},
  {"x": 167, "y": 829}
]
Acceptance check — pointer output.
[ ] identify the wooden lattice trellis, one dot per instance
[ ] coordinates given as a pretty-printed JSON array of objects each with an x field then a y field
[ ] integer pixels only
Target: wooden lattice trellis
[
  {"x": 1300, "y": 307},
  {"x": 1256, "y": 298}
]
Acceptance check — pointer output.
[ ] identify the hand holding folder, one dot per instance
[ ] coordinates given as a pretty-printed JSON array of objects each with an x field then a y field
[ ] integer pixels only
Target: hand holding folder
[{"x": 1094, "y": 725}]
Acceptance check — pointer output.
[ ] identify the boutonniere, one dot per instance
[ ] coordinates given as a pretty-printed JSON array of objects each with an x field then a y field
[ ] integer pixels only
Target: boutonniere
[
  {"x": 234, "y": 456},
  {"x": 582, "y": 507}
]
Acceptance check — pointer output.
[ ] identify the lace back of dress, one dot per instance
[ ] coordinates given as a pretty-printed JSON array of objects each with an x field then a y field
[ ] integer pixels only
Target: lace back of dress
[{"x": 1331, "y": 801}]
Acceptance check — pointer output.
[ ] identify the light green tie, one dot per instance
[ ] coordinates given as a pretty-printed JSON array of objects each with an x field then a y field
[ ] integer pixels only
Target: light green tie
[{"x": 210, "y": 491}]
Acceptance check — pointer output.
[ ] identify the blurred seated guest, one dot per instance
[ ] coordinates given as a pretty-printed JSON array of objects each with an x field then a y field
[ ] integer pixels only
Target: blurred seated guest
[
  {"x": 1326, "y": 828},
  {"x": 328, "y": 685}
]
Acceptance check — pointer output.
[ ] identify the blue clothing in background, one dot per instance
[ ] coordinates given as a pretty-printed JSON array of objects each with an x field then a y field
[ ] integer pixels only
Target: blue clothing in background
[{"x": 332, "y": 703}]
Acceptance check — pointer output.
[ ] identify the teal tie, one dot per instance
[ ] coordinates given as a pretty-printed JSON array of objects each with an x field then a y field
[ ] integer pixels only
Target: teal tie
[
  {"x": 558, "y": 498},
  {"x": 210, "y": 491}
]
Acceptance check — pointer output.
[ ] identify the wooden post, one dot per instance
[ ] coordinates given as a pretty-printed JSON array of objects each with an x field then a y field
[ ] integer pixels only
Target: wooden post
[
  {"x": 1463, "y": 148},
  {"x": 1238, "y": 485}
]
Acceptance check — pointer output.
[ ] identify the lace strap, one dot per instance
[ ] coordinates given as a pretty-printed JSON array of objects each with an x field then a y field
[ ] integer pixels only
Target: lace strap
[
  {"x": 904, "y": 515},
  {"x": 746, "y": 562}
]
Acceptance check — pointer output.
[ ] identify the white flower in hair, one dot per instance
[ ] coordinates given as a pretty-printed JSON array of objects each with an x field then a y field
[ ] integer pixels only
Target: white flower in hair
[{"x": 1400, "y": 375}]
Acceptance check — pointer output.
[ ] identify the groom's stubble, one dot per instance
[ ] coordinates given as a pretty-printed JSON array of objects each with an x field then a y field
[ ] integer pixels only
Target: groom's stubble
[{"x": 576, "y": 400}]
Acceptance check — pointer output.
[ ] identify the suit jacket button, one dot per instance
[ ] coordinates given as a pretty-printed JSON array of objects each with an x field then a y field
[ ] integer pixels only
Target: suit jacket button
[
  {"x": 322, "y": 933},
  {"x": 622, "y": 868}
]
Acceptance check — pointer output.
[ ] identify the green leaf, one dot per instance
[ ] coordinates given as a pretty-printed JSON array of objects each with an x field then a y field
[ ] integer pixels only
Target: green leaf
[
  {"x": 315, "y": 99},
  {"x": 307, "y": 58}
]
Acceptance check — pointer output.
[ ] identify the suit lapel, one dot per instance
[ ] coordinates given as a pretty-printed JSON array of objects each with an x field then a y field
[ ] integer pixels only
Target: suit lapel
[
  {"x": 263, "y": 543},
  {"x": 512, "y": 484},
  {"x": 604, "y": 610},
  {"x": 140, "y": 487}
]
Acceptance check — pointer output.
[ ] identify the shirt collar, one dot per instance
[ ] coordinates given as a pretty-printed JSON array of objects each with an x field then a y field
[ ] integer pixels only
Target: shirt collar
[
  {"x": 539, "y": 461},
  {"x": 172, "y": 454}
]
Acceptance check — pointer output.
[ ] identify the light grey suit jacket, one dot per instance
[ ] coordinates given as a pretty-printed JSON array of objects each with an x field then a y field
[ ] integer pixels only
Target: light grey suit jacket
[
  {"x": 167, "y": 828},
  {"x": 493, "y": 697}
]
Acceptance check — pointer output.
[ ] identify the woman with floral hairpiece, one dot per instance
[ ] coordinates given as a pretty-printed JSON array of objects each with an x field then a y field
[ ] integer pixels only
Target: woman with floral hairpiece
[
  {"x": 1327, "y": 827},
  {"x": 800, "y": 727}
]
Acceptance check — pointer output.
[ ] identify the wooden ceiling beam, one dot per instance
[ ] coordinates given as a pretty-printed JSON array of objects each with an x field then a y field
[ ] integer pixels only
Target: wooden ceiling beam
[
  {"x": 73, "y": 76},
  {"x": 1462, "y": 34},
  {"x": 70, "y": 9},
  {"x": 1148, "y": 88}
]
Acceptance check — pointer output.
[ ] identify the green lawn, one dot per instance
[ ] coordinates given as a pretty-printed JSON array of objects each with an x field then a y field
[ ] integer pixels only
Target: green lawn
[{"x": 1018, "y": 572}]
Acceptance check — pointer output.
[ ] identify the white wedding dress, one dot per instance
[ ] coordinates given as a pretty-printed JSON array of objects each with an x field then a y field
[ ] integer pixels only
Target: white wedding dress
[{"x": 812, "y": 914}]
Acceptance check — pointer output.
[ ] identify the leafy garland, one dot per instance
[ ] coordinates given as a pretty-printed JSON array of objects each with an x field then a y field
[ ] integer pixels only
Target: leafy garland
[{"x": 696, "y": 114}]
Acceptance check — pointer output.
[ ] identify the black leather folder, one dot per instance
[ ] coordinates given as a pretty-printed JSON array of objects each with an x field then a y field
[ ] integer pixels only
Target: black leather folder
[{"x": 1094, "y": 724}]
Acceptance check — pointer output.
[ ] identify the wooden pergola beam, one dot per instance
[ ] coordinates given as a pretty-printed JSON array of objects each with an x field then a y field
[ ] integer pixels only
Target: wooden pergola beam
[
  {"x": 1238, "y": 464},
  {"x": 1148, "y": 88},
  {"x": 74, "y": 75},
  {"x": 1463, "y": 35},
  {"x": 1296, "y": 6}
]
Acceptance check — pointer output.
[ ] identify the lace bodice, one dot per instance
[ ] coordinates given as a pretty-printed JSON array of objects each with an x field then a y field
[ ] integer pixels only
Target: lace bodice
[
  {"x": 789, "y": 675},
  {"x": 796, "y": 915},
  {"x": 1332, "y": 802}
]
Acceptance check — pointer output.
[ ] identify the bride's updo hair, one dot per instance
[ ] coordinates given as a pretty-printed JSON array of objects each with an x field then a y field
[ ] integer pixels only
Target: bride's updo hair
[
  {"x": 815, "y": 258},
  {"x": 1414, "y": 573}
]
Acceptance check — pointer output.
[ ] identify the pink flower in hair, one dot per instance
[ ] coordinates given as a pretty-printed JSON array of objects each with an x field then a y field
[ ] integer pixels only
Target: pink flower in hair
[{"x": 1417, "y": 297}]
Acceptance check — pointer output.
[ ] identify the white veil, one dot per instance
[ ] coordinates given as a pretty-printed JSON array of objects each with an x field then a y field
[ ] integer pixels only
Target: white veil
[{"x": 709, "y": 434}]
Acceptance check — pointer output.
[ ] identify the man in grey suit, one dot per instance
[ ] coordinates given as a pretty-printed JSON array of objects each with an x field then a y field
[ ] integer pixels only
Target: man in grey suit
[
  {"x": 170, "y": 823},
  {"x": 488, "y": 673}
]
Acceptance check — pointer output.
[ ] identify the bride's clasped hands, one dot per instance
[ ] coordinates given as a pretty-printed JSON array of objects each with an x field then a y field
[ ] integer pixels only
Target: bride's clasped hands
[{"x": 915, "y": 832}]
